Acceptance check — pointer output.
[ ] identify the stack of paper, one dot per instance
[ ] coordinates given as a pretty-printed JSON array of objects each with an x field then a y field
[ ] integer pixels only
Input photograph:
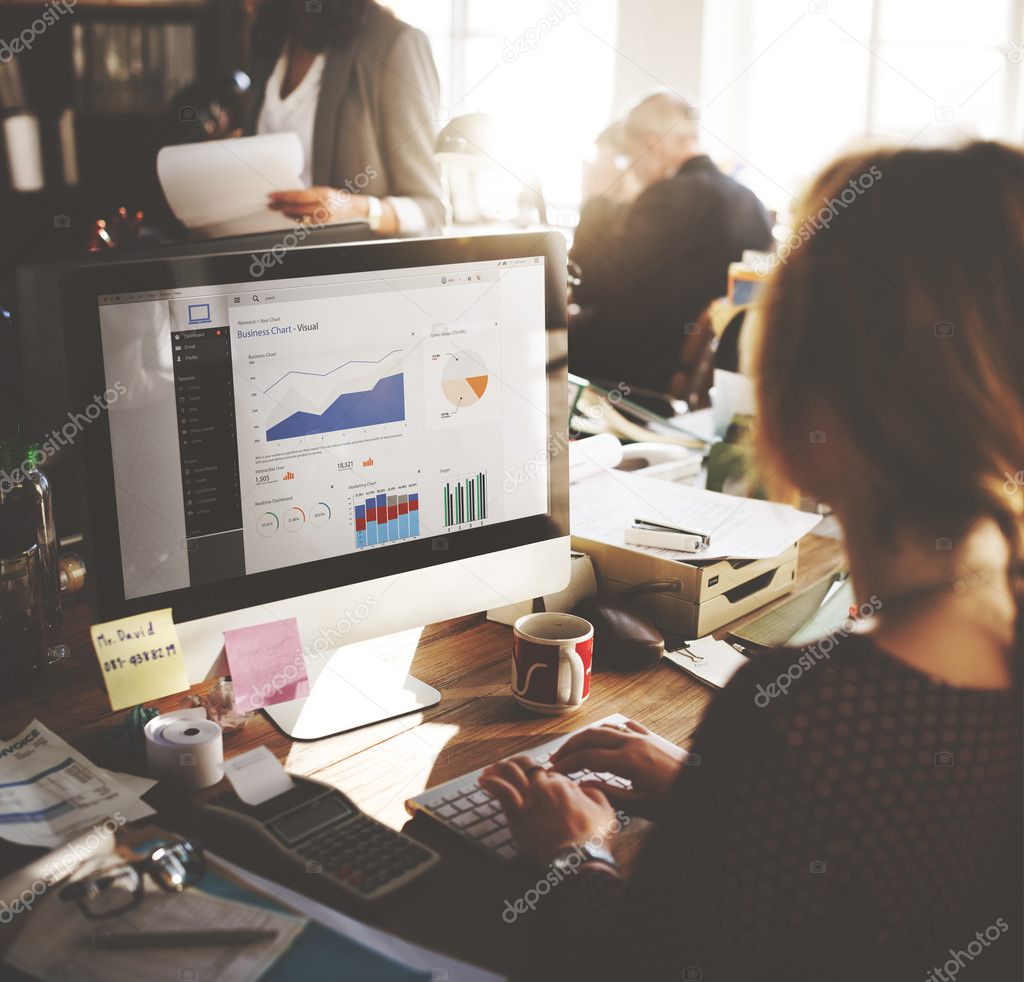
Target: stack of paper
[
  {"x": 55, "y": 943},
  {"x": 603, "y": 505}
]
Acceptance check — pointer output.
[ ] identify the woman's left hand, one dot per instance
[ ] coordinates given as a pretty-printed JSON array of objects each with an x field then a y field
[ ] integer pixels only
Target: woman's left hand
[
  {"x": 319, "y": 205},
  {"x": 545, "y": 809}
]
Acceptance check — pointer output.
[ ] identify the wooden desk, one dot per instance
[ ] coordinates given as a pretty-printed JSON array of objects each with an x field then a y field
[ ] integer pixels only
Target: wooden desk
[{"x": 458, "y": 909}]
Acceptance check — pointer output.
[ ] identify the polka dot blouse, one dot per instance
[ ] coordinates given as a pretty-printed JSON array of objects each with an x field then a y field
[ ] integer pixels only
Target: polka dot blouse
[{"x": 846, "y": 818}]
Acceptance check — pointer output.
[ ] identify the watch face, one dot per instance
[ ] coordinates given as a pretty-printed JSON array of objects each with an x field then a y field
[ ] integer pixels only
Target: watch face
[
  {"x": 599, "y": 855},
  {"x": 573, "y": 857}
]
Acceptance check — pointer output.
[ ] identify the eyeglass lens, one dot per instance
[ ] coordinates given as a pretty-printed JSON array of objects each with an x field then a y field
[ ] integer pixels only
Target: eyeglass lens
[
  {"x": 177, "y": 866},
  {"x": 111, "y": 891}
]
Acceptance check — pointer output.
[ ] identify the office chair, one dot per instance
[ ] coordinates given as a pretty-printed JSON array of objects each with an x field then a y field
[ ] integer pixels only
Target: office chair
[
  {"x": 691, "y": 380},
  {"x": 711, "y": 342}
]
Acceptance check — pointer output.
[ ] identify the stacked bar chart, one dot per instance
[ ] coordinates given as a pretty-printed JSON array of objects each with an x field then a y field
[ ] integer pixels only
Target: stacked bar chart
[
  {"x": 465, "y": 500},
  {"x": 387, "y": 517}
]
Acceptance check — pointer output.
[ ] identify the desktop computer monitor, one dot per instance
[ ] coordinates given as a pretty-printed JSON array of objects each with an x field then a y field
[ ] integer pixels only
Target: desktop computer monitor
[
  {"x": 40, "y": 293},
  {"x": 368, "y": 438},
  {"x": 35, "y": 379}
]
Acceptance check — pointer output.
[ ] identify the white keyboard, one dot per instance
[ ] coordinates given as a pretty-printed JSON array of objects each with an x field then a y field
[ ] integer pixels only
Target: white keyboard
[{"x": 467, "y": 809}]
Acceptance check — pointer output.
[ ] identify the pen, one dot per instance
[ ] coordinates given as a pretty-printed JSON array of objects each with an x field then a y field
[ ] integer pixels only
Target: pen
[{"x": 180, "y": 939}]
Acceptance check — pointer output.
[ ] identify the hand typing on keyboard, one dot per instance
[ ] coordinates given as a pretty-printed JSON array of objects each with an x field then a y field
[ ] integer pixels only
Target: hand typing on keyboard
[
  {"x": 633, "y": 769},
  {"x": 629, "y": 765},
  {"x": 546, "y": 809}
]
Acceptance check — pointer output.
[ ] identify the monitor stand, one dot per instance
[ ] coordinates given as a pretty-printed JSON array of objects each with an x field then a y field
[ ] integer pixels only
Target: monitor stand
[{"x": 358, "y": 684}]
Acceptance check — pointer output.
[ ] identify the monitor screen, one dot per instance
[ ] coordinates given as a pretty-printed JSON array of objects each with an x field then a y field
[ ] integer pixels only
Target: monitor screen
[{"x": 267, "y": 423}]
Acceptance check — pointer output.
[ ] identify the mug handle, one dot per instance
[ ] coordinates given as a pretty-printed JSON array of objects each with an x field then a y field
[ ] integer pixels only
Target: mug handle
[{"x": 570, "y": 675}]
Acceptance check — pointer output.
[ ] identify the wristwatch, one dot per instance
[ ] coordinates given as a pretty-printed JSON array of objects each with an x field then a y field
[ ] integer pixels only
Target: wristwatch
[
  {"x": 571, "y": 858},
  {"x": 374, "y": 212}
]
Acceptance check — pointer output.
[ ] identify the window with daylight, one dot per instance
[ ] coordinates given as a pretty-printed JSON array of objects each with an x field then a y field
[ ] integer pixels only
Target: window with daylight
[
  {"x": 543, "y": 67},
  {"x": 786, "y": 84}
]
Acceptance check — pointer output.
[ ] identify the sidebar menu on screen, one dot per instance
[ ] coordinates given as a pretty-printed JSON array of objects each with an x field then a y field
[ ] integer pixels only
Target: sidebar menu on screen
[{"x": 204, "y": 398}]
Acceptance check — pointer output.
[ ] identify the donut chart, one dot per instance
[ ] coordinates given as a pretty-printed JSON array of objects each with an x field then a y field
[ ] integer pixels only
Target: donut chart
[{"x": 464, "y": 379}]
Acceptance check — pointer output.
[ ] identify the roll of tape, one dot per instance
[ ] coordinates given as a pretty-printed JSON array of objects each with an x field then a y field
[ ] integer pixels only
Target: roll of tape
[{"x": 185, "y": 750}]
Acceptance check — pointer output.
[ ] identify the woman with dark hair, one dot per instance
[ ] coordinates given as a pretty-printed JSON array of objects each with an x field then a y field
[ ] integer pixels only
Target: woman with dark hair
[
  {"x": 852, "y": 810},
  {"x": 360, "y": 89}
]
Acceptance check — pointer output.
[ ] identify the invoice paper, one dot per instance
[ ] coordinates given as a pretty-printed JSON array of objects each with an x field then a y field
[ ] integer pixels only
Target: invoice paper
[{"x": 49, "y": 791}]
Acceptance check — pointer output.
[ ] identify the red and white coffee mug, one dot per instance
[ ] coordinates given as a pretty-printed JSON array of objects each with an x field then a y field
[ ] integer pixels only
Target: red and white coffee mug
[{"x": 551, "y": 660}]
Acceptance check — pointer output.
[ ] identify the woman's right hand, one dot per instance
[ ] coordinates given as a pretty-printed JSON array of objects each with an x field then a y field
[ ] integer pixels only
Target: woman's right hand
[{"x": 628, "y": 750}]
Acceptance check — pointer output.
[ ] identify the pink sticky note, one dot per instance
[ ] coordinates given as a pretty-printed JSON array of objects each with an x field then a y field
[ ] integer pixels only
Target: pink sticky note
[{"x": 266, "y": 664}]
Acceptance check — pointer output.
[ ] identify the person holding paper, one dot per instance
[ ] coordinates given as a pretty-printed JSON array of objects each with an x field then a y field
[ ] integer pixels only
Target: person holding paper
[
  {"x": 850, "y": 809},
  {"x": 361, "y": 90}
]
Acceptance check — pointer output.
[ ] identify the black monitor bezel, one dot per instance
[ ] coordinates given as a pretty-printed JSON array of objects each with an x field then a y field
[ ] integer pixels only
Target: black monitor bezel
[{"x": 92, "y": 448}]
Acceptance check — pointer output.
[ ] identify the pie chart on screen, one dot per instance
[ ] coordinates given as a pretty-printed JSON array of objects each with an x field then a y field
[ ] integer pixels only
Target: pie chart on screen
[{"x": 464, "y": 379}]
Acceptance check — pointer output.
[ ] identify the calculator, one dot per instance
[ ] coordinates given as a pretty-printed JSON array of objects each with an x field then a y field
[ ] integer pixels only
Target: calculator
[{"x": 318, "y": 830}]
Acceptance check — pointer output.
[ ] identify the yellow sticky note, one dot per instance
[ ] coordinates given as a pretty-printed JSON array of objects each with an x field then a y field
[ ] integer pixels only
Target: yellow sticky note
[{"x": 140, "y": 657}]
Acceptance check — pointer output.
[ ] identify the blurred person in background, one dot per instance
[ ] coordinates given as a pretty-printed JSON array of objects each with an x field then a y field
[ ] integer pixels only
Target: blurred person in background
[
  {"x": 360, "y": 88},
  {"x": 609, "y": 188},
  {"x": 654, "y": 248}
]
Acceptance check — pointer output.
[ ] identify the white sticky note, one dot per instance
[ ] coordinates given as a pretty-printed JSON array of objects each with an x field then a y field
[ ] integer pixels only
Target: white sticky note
[{"x": 257, "y": 776}]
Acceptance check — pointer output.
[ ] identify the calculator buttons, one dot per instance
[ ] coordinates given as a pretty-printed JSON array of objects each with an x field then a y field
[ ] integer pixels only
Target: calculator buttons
[
  {"x": 482, "y": 828},
  {"x": 498, "y": 838},
  {"x": 366, "y": 857}
]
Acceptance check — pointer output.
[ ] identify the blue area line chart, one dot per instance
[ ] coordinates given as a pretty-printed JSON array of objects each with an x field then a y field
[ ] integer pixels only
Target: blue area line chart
[
  {"x": 383, "y": 403},
  {"x": 337, "y": 368}
]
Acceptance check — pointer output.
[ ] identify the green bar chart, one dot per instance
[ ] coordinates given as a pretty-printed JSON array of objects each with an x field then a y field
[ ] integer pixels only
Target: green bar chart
[{"x": 464, "y": 500}]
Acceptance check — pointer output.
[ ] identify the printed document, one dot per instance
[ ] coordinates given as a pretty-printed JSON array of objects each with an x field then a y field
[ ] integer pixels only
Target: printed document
[
  {"x": 740, "y": 528},
  {"x": 49, "y": 791}
]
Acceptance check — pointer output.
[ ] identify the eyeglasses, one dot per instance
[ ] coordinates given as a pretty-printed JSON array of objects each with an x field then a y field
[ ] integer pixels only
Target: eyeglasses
[{"x": 120, "y": 886}]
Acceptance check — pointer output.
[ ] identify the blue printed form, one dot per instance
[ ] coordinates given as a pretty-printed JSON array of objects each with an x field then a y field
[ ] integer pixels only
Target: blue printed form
[{"x": 49, "y": 791}]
